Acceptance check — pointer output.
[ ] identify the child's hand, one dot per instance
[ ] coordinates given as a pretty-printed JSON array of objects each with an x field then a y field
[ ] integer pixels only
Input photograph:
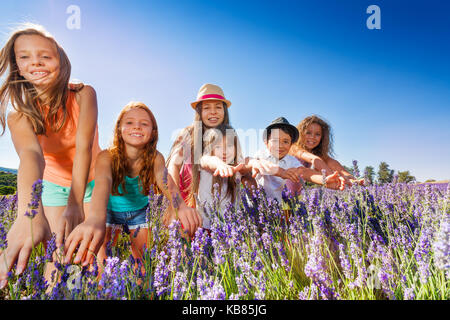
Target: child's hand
[
  {"x": 72, "y": 216},
  {"x": 360, "y": 181},
  {"x": 291, "y": 174},
  {"x": 238, "y": 167},
  {"x": 20, "y": 244},
  {"x": 263, "y": 167},
  {"x": 224, "y": 170},
  {"x": 349, "y": 181},
  {"x": 293, "y": 187},
  {"x": 89, "y": 236},
  {"x": 190, "y": 219},
  {"x": 335, "y": 181}
]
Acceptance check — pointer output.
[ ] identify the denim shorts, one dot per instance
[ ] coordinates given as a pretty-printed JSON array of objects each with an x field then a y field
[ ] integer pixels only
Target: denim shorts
[
  {"x": 127, "y": 219},
  {"x": 54, "y": 195}
]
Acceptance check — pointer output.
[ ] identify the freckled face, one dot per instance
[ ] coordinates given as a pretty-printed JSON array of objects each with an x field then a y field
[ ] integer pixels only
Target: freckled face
[
  {"x": 136, "y": 127},
  {"x": 37, "y": 59}
]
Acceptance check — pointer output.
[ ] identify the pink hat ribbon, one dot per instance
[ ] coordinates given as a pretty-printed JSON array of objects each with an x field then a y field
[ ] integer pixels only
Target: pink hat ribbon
[{"x": 209, "y": 96}]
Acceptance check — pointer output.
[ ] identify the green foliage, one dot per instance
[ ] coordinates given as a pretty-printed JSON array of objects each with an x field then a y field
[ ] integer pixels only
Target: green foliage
[
  {"x": 5, "y": 190},
  {"x": 405, "y": 176},
  {"x": 8, "y": 179},
  {"x": 8, "y": 183},
  {"x": 385, "y": 175},
  {"x": 369, "y": 172}
]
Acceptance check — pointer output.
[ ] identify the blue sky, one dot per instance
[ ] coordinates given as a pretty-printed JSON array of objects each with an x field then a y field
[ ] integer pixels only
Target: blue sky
[{"x": 385, "y": 92}]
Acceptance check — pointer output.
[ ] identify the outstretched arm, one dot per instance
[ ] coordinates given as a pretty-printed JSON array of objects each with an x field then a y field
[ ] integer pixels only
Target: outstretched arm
[
  {"x": 349, "y": 178},
  {"x": 189, "y": 217},
  {"x": 74, "y": 214},
  {"x": 218, "y": 167},
  {"x": 261, "y": 166},
  {"x": 318, "y": 163},
  {"x": 332, "y": 181},
  {"x": 24, "y": 235},
  {"x": 89, "y": 235}
]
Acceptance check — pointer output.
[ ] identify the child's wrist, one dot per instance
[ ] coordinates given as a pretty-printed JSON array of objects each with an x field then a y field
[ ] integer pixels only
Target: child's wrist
[{"x": 75, "y": 204}]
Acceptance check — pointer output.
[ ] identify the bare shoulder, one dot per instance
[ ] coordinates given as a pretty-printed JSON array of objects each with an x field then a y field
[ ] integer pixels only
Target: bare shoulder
[
  {"x": 75, "y": 85},
  {"x": 87, "y": 90},
  {"x": 104, "y": 156},
  {"x": 87, "y": 93},
  {"x": 15, "y": 118},
  {"x": 159, "y": 158}
]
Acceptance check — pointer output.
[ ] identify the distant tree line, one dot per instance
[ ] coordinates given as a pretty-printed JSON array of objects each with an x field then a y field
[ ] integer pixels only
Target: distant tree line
[
  {"x": 384, "y": 174},
  {"x": 8, "y": 183}
]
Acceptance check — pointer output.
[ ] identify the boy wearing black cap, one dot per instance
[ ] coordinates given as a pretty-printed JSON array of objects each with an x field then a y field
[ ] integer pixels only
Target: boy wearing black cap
[{"x": 273, "y": 167}]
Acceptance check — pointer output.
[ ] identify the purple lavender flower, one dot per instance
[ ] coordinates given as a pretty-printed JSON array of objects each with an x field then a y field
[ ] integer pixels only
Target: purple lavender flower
[
  {"x": 3, "y": 234},
  {"x": 355, "y": 168},
  {"x": 422, "y": 252},
  {"x": 408, "y": 294},
  {"x": 115, "y": 279},
  {"x": 179, "y": 285},
  {"x": 51, "y": 247},
  {"x": 165, "y": 176},
  {"x": 210, "y": 289},
  {"x": 441, "y": 246},
  {"x": 345, "y": 263},
  {"x": 161, "y": 275},
  {"x": 176, "y": 200},
  {"x": 35, "y": 199}
]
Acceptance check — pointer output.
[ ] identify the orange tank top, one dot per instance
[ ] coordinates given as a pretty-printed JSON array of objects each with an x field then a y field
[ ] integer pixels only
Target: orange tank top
[{"x": 59, "y": 147}]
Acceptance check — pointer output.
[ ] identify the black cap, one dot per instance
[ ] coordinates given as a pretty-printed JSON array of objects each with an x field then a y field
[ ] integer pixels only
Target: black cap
[{"x": 281, "y": 122}]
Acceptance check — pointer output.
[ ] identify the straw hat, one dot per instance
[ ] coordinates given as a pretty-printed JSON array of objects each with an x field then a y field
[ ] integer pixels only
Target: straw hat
[{"x": 210, "y": 92}]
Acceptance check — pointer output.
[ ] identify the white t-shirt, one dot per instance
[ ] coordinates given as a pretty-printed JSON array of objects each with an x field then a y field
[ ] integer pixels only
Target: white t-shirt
[
  {"x": 205, "y": 198},
  {"x": 273, "y": 185}
]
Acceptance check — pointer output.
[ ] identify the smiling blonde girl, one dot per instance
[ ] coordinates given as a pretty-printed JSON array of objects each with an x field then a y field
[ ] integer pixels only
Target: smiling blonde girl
[{"x": 55, "y": 134}]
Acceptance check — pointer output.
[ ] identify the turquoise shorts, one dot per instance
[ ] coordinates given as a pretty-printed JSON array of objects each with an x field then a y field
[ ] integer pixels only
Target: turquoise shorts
[{"x": 54, "y": 195}]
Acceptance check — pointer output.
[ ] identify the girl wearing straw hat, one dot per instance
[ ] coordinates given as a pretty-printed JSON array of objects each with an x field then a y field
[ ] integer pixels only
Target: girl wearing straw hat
[{"x": 183, "y": 162}]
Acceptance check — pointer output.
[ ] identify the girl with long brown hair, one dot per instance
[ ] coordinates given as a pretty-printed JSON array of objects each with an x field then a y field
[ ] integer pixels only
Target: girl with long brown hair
[
  {"x": 124, "y": 175},
  {"x": 183, "y": 162},
  {"x": 55, "y": 134},
  {"x": 314, "y": 148}
]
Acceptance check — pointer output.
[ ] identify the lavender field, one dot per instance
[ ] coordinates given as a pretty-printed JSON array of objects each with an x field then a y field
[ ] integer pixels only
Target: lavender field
[{"x": 374, "y": 242}]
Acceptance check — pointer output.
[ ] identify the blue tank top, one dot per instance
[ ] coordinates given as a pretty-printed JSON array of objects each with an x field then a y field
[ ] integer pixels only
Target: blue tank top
[{"x": 133, "y": 200}]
